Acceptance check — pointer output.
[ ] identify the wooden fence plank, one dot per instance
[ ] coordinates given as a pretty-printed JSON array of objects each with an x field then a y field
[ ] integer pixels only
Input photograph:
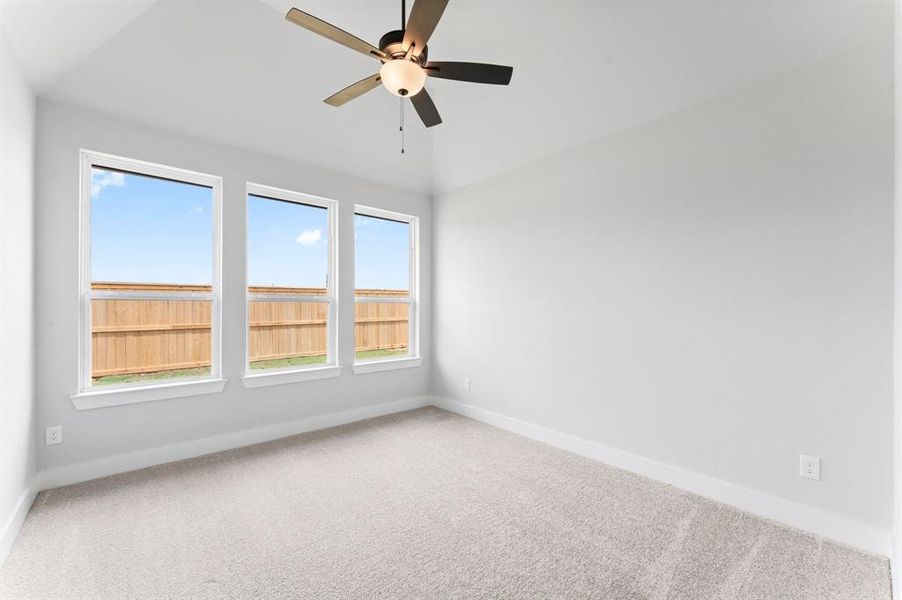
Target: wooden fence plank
[{"x": 145, "y": 336}]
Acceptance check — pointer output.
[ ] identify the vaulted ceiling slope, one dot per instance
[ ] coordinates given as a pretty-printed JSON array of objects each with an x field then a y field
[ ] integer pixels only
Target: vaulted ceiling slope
[
  {"x": 236, "y": 72},
  {"x": 52, "y": 37}
]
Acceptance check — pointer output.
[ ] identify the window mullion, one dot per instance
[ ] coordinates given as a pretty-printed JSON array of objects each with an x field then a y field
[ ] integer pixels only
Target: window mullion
[
  {"x": 286, "y": 298},
  {"x": 105, "y": 295},
  {"x": 384, "y": 300}
]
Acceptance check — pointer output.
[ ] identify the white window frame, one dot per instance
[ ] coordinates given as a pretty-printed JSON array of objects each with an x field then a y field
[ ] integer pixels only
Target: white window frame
[
  {"x": 332, "y": 368},
  {"x": 413, "y": 358},
  {"x": 89, "y": 396}
]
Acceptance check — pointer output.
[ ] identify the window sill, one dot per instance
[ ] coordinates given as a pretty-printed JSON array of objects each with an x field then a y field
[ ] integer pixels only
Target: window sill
[
  {"x": 99, "y": 398},
  {"x": 386, "y": 365},
  {"x": 280, "y": 377}
]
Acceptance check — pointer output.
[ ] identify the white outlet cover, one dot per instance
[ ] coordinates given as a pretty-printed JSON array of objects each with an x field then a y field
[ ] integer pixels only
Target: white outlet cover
[
  {"x": 53, "y": 435},
  {"x": 810, "y": 466},
  {"x": 466, "y": 383}
]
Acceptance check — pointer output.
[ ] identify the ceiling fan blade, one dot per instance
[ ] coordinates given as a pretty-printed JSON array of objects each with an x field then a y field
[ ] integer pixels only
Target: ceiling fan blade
[
  {"x": 424, "y": 16},
  {"x": 473, "y": 72},
  {"x": 422, "y": 102},
  {"x": 354, "y": 90},
  {"x": 318, "y": 26}
]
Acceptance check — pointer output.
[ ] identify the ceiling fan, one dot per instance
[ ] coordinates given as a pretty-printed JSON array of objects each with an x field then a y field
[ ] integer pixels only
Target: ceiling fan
[{"x": 404, "y": 59}]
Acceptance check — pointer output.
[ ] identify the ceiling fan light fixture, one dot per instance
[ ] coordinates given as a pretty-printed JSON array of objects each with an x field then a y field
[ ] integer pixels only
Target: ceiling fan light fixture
[{"x": 402, "y": 77}]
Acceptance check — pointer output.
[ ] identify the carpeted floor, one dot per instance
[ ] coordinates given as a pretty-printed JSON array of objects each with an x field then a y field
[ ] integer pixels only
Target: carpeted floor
[{"x": 423, "y": 504}]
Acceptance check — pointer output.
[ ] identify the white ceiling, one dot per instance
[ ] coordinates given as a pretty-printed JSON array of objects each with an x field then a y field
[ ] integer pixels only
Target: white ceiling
[
  {"x": 584, "y": 70},
  {"x": 237, "y": 72},
  {"x": 51, "y": 37}
]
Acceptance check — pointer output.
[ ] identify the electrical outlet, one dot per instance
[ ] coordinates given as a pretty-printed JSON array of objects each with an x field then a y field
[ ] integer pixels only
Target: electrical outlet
[
  {"x": 467, "y": 383},
  {"x": 53, "y": 435},
  {"x": 810, "y": 466}
]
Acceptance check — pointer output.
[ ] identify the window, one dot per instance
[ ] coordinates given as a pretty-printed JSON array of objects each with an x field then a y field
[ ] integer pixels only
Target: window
[
  {"x": 291, "y": 320},
  {"x": 385, "y": 289},
  {"x": 149, "y": 277}
]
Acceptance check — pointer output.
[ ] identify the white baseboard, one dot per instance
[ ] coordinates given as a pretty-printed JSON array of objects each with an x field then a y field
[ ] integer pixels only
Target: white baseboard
[
  {"x": 121, "y": 463},
  {"x": 827, "y": 525},
  {"x": 14, "y": 522}
]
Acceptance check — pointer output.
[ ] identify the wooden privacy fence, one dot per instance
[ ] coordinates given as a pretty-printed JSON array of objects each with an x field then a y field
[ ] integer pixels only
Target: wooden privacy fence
[{"x": 144, "y": 336}]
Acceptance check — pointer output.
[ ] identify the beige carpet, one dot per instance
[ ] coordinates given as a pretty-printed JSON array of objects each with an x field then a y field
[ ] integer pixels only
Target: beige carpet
[{"x": 424, "y": 504}]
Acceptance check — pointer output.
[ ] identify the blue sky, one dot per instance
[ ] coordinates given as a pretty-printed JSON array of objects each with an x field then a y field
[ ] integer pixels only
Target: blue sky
[
  {"x": 156, "y": 231},
  {"x": 146, "y": 230},
  {"x": 288, "y": 243},
  {"x": 381, "y": 255}
]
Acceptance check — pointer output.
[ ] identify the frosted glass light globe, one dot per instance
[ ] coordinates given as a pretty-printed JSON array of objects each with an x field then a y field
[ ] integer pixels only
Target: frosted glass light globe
[{"x": 402, "y": 77}]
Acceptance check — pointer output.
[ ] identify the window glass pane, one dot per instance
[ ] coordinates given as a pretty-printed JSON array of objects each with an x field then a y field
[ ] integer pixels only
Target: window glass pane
[
  {"x": 381, "y": 254},
  {"x": 288, "y": 254},
  {"x": 287, "y": 245},
  {"x": 146, "y": 340},
  {"x": 149, "y": 230},
  {"x": 150, "y": 236},
  {"x": 287, "y": 334},
  {"x": 381, "y": 328}
]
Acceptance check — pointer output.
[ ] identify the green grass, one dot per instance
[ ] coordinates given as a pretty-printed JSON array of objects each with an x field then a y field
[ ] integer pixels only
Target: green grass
[
  {"x": 370, "y": 354},
  {"x": 278, "y": 363},
  {"x": 300, "y": 361},
  {"x": 294, "y": 361},
  {"x": 139, "y": 377}
]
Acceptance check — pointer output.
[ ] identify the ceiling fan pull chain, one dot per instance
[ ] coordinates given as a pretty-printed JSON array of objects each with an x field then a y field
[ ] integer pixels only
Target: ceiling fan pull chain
[{"x": 402, "y": 125}]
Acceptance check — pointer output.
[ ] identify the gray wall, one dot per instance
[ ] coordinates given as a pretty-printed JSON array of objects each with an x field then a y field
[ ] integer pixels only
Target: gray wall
[
  {"x": 101, "y": 433},
  {"x": 712, "y": 290},
  {"x": 17, "y": 412},
  {"x": 897, "y": 333}
]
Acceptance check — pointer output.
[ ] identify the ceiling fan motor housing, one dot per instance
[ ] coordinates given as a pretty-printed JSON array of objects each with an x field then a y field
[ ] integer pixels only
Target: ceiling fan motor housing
[{"x": 392, "y": 43}]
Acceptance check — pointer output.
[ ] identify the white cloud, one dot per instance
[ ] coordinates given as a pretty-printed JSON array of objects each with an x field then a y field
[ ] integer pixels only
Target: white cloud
[
  {"x": 102, "y": 179},
  {"x": 310, "y": 237},
  {"x": 196, "y": 210}
]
